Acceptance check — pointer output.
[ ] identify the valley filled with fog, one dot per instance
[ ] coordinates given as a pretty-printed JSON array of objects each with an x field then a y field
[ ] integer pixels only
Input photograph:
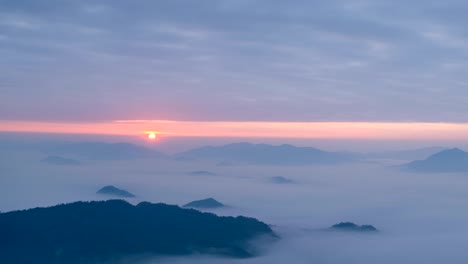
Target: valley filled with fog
[{"x": 421, "y": 217}]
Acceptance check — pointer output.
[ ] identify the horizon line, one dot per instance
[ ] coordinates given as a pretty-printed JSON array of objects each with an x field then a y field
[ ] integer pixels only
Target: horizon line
[{"x": 252, "y": 129}]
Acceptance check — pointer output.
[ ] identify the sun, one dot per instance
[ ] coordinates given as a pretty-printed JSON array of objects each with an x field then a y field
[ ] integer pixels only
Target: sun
[{"x": 152, "y": 136}]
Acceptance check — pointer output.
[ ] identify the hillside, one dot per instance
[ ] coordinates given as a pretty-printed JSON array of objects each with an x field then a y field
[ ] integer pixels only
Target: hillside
[
  {"x": 451, "y": 160},
  {"x": 114, "y": 191},
  {"x": 84, "y": 232},
  {"x": 204, "y": 204}
]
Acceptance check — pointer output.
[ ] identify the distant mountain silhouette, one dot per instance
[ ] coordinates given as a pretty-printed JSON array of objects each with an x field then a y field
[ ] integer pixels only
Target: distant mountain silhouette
[
  {"x": 281, "y": 180},
  {"x": 103, "y": 232},
  {"x": 102, "y": 151},
  {"x": 57, "y": 160},
  {"x": 266, "y": 154},
  {"x": 203, "y": 173},
  {"x": 348, "y": 226},
  {"x": 205, "y": 204},
  {"x": 410, "y": 154},
  {"x": 114, "y": 191},
  {"x": 451, "y": 160}
]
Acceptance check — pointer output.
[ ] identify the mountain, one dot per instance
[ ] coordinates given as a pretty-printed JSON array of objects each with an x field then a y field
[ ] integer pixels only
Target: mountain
[
  {"x": 451, "y": 160},
  {"x": 114, "y": 191},
  {"x": 101, "y": 151},
  {"x": 105, "y": 231},
  {"x": 348, "y": 226},
  {"x": 410, "y": 154},
  {"x": 266, "y": 154},
  {"x": 57, "y": 160},
  {"x": 208, "y": 203},
  {"x": 280, "y": 180}
]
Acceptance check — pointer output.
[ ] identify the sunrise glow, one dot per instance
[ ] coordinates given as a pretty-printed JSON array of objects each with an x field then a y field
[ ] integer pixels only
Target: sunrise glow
[
  {"x": 152, "y": 136},
  {"x": 314, "y": 130}
]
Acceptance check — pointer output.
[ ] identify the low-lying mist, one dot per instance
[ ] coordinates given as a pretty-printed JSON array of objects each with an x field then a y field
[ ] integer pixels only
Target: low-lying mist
[{"x": 421, "y": 217}]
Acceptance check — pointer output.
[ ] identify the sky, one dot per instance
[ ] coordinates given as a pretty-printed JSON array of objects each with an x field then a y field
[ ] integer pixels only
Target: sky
[{"x": 244, "y": 62}]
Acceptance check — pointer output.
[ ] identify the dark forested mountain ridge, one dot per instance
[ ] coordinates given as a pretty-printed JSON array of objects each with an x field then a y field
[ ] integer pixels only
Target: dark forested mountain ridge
[{"x": 93, "y": 232}]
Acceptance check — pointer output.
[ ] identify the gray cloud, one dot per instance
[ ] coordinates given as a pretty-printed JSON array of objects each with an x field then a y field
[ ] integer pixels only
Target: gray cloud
[{"x": 234, "y": 60}]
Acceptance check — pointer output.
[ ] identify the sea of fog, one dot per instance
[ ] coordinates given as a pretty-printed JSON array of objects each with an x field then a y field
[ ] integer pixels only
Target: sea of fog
[{"x": 422, "y": 218}]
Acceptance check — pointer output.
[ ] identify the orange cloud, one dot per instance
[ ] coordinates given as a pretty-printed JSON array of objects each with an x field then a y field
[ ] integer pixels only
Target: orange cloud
[{"x": 325, "y": 130}]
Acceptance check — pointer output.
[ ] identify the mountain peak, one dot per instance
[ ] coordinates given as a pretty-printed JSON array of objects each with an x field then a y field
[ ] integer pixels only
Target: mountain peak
[
  {"x": 450, "y": 153},
  {"x": 114, "y": 191},
  {"x": 455, "y": 150},
  {"x": 450, "y": 160},
  {"x": 349, "y": 226},
  {"x": 205, "y": 203},
  {"x": 248, "y": 153}
]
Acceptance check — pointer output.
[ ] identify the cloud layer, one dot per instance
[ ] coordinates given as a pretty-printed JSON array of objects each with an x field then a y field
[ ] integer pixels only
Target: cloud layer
[
  {"x": 421, "y": 217},
  {"x": 234, "y": 60}
]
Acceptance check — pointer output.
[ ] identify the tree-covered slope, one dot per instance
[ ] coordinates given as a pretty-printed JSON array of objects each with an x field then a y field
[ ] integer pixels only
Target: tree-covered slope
[{"x": 83, "y": 232}]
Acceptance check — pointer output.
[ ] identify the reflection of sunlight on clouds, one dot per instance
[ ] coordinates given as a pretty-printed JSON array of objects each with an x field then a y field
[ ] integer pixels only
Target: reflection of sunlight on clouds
[{"x": 319, "y": 130}]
